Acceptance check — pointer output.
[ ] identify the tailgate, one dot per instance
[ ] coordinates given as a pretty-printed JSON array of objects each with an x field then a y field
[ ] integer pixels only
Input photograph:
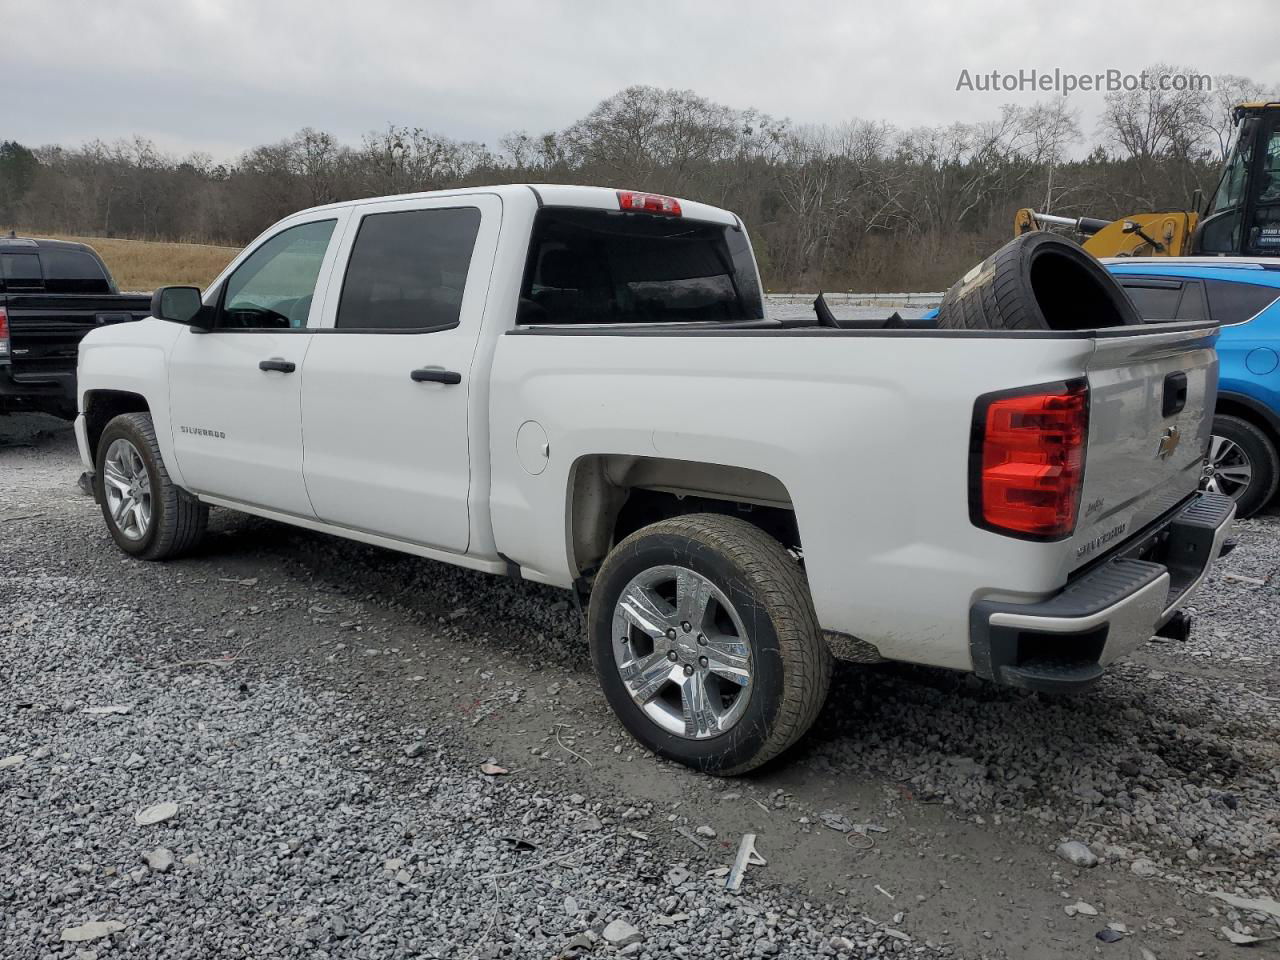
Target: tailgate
[
  {"x": 1150, "y": 413},
  {"x": 45, "y": 329}
]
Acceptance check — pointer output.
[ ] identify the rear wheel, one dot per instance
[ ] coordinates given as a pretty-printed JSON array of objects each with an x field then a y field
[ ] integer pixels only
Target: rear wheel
[
  {"x": 706, "y": 643},
  {"x": 147, "y": 514},
  {"x": 1242, "y": 464}
]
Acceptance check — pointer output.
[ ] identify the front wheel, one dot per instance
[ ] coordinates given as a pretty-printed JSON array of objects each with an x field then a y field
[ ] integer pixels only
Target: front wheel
[
  {"x": 1242, "y": 464},
  {"x": 147, "y": 514},
  {"x": 706, "y": 643}
]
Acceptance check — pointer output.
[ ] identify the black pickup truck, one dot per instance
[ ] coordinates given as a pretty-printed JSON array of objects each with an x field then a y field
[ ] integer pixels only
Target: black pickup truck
[{"x": 52, "y": 293}]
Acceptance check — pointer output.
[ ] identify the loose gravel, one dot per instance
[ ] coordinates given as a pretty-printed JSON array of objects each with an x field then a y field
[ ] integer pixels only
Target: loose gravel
[
  {"x": 180, "y": 807},
  {"x": 262, "y": 688}
]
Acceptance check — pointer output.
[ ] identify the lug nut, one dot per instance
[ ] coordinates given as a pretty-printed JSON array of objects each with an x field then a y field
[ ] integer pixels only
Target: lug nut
[
  {"x": 686, "y": 626},
  {"x": 671, "y": 655},
  {"x": 702, "y": 661},
  {"x": 702, "y": 639},
  {"x": 671, "y": 633},
  {"x": 688, "y": 670}
]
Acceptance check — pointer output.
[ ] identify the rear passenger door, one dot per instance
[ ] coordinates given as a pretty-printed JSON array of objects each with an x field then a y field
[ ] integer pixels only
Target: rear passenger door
[{"x": 387, "y": 388}]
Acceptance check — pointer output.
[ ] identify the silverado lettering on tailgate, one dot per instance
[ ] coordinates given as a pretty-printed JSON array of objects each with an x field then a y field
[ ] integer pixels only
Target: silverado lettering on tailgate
[{"x": 1101, "y": 540}]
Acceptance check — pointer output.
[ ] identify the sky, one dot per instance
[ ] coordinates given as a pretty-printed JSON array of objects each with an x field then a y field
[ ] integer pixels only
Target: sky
[{"x": 219, "y": 76}]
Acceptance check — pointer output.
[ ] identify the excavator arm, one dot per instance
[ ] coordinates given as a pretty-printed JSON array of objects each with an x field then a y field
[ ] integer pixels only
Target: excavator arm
[{"x": 1139, "y": 235}]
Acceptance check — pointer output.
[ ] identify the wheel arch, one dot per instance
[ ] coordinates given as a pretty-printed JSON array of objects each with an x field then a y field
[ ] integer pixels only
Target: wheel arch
[
  {"x": 1233, "y": 404},
  {"x": 613, "y": 495},
  {"x": 102, "y": 406}
]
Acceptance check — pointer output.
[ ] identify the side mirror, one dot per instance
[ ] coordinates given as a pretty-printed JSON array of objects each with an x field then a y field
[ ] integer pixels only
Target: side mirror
[{"x": 177, "y": 305}]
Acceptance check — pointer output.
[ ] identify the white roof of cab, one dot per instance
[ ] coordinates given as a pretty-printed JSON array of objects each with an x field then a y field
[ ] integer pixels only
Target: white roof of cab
[{"x": 551, "y": 195}]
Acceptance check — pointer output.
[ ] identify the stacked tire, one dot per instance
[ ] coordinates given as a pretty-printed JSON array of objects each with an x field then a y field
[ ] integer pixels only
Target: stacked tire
[{"x": 1037, "y": 282}]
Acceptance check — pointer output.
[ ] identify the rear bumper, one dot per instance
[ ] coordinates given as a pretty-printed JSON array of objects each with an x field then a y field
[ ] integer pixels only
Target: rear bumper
[
  {"x": 1061, "y": 644},
  {"x": 53, "y": 392}
]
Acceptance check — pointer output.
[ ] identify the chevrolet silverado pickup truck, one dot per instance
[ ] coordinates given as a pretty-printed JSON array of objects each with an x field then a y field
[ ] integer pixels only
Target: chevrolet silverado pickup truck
[
  {"x": 580, "y": 387},
  {"x": 52, "y": 292}
]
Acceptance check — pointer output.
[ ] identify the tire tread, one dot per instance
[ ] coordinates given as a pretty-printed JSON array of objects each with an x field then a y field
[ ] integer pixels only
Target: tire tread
[
  {"x": 777, "y": 581},
  {"x": 182, "y": 518},
  {"x": 1265, "y": 451}
]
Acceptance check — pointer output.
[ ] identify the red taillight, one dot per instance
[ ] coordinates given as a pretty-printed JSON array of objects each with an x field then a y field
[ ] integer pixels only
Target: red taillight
[
  {"x": 648, "y": 203},
  {"x": 1028, "y": 460},
  {"x": 4, "y": 335}
]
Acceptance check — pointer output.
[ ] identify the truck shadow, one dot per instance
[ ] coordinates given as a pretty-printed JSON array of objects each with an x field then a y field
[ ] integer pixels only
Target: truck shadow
[{"x": 34, "y": 430}]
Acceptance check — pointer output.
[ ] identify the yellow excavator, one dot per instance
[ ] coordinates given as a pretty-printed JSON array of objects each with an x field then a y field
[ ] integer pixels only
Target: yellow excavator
[{"x": 1241, "y": 219}]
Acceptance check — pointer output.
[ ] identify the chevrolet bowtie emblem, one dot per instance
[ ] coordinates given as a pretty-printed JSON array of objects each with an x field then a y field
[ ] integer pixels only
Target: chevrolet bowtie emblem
[{"x": 1168, "y": 443}]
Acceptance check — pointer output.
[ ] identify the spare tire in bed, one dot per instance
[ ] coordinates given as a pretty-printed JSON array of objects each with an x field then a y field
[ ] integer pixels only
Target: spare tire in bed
[{"x": 1037, "y": 282}]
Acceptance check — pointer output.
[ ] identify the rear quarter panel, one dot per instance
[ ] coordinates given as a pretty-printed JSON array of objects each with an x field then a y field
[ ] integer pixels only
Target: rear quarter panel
[
  {"x": 869, "y": 435},
  {"x": 1250, "y": 357}
]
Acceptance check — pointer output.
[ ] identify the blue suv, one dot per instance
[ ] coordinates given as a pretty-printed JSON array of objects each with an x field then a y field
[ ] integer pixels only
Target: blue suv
[{"x": 1244, "y": 296}]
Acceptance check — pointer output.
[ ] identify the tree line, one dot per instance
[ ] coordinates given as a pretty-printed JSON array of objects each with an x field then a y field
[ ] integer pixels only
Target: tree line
[{"x": 864, "y": 205}]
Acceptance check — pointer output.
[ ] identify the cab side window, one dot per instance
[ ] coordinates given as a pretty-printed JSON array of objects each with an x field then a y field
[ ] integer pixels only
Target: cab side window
[
  {"x": 408, "y": 270},
  {"x": 1162, "y": 299},
  {"x": 1231, "y": 302},
  {"x": 273, "y": 288},
  {"x": 1155, "y": 299}
]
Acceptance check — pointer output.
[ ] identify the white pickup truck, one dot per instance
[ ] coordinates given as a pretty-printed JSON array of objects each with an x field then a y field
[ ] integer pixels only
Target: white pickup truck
[{"x": 579, "y": 386}]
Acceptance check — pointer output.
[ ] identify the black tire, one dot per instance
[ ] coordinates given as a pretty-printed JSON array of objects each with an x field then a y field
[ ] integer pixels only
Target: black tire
[
  {"x": 790, "y": 661},
  {"x": 1037, "y": 282},
  {"x": 178, "y": 519},
  {"x": 1262, "y": 459}
]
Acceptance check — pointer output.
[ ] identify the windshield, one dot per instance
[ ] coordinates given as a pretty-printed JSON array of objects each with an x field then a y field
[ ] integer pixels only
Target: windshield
[
  {"x": 1231, "y": 187},
  {"x": 603, "y": 266}
]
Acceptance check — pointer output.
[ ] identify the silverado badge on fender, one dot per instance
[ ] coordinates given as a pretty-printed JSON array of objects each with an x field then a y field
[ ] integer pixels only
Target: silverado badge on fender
[
  {"x": 203, "y": 432},
  {"x": 1168, "y": 443}
]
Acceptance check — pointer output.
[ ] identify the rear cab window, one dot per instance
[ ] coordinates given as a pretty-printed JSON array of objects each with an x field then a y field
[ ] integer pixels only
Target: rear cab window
[
  {"x": 73, "y": 271},
  {"x": 20, "y": 272},
  {"x": 589, "y": 266}
]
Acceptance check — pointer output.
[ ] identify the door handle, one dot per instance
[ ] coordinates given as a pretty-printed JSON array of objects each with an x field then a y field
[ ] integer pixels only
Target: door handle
[
  {"x": 1175, "y": 394},
  {"x": 283, "y": 366},
  {"x": 435, "y": 375}
]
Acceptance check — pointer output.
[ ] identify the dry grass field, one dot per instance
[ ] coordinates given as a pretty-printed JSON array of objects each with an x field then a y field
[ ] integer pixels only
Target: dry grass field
[{"x": 143, "y": 265}]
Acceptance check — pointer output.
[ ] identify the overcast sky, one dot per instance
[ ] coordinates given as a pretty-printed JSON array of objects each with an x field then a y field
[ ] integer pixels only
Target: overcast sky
[{"x": 223, "y": 75}]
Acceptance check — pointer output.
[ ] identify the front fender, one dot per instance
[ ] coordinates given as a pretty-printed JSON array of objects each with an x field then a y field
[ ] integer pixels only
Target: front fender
[{"x": 133, "y": 358}]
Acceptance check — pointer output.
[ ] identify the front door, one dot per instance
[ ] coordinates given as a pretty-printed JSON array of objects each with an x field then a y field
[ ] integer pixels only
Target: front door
[
  {"x": 387, "y": 390},
  {"x": 234, "y": 391}
]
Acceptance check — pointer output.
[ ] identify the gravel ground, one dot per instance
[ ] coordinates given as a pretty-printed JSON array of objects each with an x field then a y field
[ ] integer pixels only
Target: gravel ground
[
  {"x": 801, "y": 305},
  {"x": 319, "y": 711}
]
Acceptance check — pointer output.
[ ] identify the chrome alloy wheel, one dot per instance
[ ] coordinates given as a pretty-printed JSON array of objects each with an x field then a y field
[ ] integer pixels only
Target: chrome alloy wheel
[
  {"x": 1228, "y": 471},
  {"x": 127, "y": 488},
  {"x": 683, "y": 652}
]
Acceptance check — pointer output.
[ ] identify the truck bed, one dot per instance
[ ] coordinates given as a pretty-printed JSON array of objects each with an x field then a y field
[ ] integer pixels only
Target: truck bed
[
  {"x": 866, "y": 434},
  {"x": 44, "y": 335}
]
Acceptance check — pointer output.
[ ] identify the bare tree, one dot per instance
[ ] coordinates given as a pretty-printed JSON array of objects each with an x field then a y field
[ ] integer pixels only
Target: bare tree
[
  {"x": 856, "y": 203},
  {"x": 1229, "y": 91}
]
